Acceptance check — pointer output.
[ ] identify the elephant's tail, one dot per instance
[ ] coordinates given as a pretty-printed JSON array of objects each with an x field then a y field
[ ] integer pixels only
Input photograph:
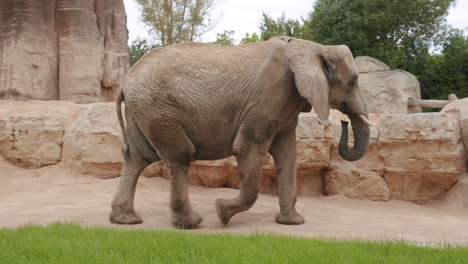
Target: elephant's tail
[{"x": 120, "y": 98}]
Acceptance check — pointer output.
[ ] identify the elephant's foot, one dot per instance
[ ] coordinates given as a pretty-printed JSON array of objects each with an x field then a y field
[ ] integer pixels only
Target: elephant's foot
[
  {"x": 290, "y": 217},
  {"x": 225, "y": 210},
  {"x": 190, "y": 220},
  {"x": 127, "y": 218}
]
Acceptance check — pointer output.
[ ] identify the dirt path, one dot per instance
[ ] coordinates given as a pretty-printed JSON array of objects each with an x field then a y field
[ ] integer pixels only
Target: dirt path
[{"x": 55, "y": 194}]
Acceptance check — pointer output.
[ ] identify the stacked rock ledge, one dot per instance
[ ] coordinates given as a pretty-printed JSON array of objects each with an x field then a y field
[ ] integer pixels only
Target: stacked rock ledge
[{"x": 416, "y": 157}]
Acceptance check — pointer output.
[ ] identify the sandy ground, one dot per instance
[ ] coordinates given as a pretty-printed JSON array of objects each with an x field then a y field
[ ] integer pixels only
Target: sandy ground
[{"x": 54, "y": 193}]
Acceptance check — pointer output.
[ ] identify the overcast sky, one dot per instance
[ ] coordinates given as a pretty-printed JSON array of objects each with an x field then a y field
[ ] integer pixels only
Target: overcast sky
[{"x": 244, "y": 16}]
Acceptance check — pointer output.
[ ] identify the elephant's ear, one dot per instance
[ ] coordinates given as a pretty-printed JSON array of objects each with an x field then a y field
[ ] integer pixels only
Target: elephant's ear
[{"x": 306, "y": 60}]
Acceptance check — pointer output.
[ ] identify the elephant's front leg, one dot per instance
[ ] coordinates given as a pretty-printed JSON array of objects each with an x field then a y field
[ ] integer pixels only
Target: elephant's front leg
[
  {"x": 283, "y": 150},
  {"x": 250, "y": 161}
]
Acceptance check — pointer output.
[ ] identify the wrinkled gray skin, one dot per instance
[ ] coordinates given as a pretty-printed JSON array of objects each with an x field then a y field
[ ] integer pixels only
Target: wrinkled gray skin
[{"x": 196, "y": 101}]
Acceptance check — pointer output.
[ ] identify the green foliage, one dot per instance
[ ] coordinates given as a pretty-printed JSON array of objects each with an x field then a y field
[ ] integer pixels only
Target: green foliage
[
  {"x": 283, "y": 26},
  {"x": 445, "y": 73},
  {"x": 225, "y": 38},
  {"x": 401, "y": 33},
  {"x": 392, "y": 31},
  {"x": 250, "y": 39},
  {"x": 175, "y": 21},
  {"x": 138, "y": 48},
  {"x": 65, "y": 243}
]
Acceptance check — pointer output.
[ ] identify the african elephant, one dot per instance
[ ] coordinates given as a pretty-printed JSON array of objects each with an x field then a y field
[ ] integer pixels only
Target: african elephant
[{"x": 195, "y": 101}]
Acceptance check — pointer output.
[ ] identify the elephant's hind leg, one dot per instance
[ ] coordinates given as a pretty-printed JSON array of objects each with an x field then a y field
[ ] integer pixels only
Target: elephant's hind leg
[
  {"x": 177, "y": 150},
  {"x": 183, "y": 216},
  {"x": 123, "y": 211},
  {"x": 139, "y": 155}
]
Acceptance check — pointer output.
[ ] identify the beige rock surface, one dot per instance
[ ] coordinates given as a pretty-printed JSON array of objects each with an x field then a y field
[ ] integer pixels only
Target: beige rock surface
[
  {"x": 423, "y": 154},
  {"x": 64, "y": 49},
  {"x": 458, "y": 109},
  {"x": 453, "y": 108},
  {"x": 112, "y": 25},
  {"x": 357, "y": 183},
  {"x": 31, "y": 132},
  {"x": 368, "y": 64},
  {"x": 386, "y": 91},
  {"x": 464, "y": 130},
  {"x": 456, "y": 197},
  {"x": 92, "y": 141},
  {"x": 28, "y": 50}
]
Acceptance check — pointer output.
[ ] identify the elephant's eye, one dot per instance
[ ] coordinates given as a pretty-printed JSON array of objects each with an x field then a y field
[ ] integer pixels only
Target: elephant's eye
[{"x": 353, "y": 81}]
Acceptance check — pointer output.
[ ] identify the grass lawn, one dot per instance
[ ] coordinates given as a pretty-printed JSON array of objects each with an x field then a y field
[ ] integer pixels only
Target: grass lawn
[{"x": 71, "y": 243}]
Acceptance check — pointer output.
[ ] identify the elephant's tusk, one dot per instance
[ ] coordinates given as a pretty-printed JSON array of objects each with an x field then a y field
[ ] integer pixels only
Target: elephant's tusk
[{"x": 363, "y": 118}]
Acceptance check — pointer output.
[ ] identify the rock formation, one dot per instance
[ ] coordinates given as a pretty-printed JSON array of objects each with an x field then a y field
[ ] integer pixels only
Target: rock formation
[
  {"x": 423, "y": 154},
  {"x": 92, "y": 142},
  {"x": 62, "y": 49},
  {"x": 459, "y": 110},
  {"x": 415, "y": 157},
  {"x": 32, "y": 134},
  {"x": 386, "y": 91}
]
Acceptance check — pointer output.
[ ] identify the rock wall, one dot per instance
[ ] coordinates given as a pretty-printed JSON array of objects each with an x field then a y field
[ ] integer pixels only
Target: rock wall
[
  {"x": 415, "y": 157},
  {"x": 386, "y": 91},
  {"x": 62, "y": 49},
  {"x": 459, "y": 110}
]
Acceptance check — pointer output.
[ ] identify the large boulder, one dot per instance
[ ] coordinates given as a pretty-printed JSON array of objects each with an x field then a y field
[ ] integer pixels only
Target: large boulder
[
  {"x": 357, "y": 183},
  {"x": 28, "y": 50},
  {"x": 423, "y": 154},
  {"x": 454, "y": 107},
  {"x": 31, "y": 132},
  {"x": 65, "y": 49},
  {"x": 464, "y": 130},
  {"x": 385, "y": 90},
  {"x": 458, "y": 109},
  {"x": 92, "y": 141}
]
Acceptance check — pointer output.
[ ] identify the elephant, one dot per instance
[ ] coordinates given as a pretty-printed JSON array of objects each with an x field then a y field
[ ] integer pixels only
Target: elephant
[{"x": 195, "y": 101}]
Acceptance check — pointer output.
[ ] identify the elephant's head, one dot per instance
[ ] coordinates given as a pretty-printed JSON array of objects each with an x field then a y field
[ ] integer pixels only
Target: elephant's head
[{"x": 327, "y": 76}]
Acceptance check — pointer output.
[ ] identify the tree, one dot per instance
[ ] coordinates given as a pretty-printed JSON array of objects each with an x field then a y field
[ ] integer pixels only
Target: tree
[
  {"x": 455, "y": 63},
  {"x": 283, "y": 26},
  {"x": 174, "y": 21},
  {"x": 391, "y": 31},
  {"x": 250, "y": 39},
  {"x": 446, "y": 73},
  {"x": 138, "y": 48},
  {"x": 225, "y": 38}
]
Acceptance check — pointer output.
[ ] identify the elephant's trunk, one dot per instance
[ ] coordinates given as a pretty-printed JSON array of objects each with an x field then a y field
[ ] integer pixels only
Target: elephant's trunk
[{"x": 361, "y": 139}]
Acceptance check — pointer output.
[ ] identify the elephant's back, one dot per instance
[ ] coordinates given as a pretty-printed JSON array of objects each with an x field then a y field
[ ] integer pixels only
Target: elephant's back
[
  {"x": 194, "y": 71},
  {"x": 197, "y": 60},
  {"x": 200, "y": 79}
]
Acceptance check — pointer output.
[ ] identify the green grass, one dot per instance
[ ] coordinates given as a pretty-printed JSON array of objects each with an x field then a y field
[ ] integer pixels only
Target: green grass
[{"x": 71, "y": 243}]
